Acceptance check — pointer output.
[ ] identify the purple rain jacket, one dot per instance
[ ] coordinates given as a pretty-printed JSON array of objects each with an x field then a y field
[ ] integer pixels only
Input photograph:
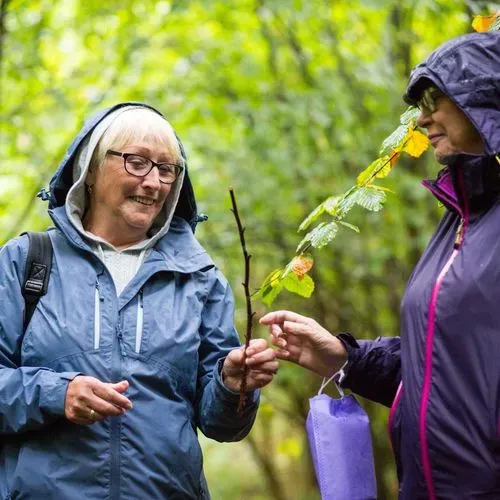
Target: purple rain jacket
[{"x": 442, "y": 377}]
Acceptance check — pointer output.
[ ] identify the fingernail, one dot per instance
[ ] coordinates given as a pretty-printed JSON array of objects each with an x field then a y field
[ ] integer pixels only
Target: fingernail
[{"x": 250, "y": 352}]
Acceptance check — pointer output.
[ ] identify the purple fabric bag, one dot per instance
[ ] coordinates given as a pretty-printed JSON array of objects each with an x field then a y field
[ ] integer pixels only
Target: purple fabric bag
[{"x": 341, "y": 447}]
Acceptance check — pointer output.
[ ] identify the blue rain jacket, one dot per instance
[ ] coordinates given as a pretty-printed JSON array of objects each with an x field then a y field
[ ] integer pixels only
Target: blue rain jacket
[
  {"x": 442, "y": 377},
  {"x": 167, "y": 334}
]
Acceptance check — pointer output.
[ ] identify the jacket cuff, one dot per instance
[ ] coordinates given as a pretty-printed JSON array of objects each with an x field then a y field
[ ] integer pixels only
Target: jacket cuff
[
  {"x": 53, "y": 397},
  {"x": 227, "y": 394},
  {"x": 352, "y": 348}
]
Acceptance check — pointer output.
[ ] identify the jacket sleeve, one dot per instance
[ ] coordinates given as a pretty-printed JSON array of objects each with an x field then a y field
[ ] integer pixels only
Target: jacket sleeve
[
  {"x": 216, "y": 406},
  {"x": 373, "y": 369},
  {"x": 30, "y": 396}
]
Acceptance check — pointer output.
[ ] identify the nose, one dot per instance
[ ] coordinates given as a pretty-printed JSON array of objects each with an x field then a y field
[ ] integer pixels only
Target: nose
[
  {"x": 152, "y": 180},
  {"x": 424, "y": 119}
]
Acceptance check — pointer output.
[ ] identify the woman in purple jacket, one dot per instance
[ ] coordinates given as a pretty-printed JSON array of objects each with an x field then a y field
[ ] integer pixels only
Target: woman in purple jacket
[{"x": 442, "y": 377}]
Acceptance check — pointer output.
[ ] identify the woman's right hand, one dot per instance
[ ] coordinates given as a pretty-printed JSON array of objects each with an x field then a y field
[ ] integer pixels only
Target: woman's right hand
[
  {"x": 89, "y": 400},
  {"x": 305, "y": 342}
]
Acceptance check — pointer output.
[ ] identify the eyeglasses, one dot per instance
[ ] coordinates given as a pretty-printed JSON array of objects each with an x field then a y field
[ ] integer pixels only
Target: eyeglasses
[
  {"x": 140, "y": 166},
  {"x": 427, "y": 101}
]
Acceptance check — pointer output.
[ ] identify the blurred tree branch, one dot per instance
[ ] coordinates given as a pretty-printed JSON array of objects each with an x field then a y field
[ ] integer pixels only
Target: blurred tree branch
[{"x": 4, "y": 4}]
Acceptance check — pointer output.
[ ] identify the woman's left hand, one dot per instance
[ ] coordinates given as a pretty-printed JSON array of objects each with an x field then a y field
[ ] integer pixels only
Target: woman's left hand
[{"x": 261, "y": 362}]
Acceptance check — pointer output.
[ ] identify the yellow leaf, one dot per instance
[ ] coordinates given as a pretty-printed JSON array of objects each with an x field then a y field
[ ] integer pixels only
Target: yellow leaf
[
  {"x": 483, "y": 23},
  {"x": 302, "y": 264},
  {"x": 371, "y": 171},
  {"x": 386, "y": 166},
  {"x": 394, "y": 157},
  {"x": 416, "y": 144}
]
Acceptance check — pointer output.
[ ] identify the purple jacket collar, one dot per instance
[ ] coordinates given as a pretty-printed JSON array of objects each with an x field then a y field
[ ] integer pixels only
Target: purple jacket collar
[{"x": 468, "y": 181}]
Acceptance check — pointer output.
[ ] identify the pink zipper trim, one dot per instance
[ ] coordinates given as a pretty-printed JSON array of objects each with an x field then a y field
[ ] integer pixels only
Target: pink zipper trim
[
  {"x": 392, "y": 413},
  {"x": 429, "y": 345},
  {"x": 427, "y": 376}
]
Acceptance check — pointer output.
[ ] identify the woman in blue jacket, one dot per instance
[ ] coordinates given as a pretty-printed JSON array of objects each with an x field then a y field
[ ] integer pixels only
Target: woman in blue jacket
[
  {"x": 442, "y": 378},
  {"x": 132, "y": 349}
]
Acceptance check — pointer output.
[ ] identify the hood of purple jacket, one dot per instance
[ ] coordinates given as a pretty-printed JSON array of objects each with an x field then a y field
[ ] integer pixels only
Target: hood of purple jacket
[{"x": 467, "y": 70}]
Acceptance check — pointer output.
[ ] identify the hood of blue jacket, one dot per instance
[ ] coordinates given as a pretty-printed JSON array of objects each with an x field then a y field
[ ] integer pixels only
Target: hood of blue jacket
[
  {"x": 467, "y": 70},
  {"x": 62, "y": 180}
]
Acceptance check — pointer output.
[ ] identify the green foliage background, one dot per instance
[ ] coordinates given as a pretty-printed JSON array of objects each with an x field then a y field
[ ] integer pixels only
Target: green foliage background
[{"x": 286, "y": 101}]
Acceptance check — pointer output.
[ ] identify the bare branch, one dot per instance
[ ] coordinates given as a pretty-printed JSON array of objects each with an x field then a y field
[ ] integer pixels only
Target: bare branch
[{"x": 246, "y": 286}]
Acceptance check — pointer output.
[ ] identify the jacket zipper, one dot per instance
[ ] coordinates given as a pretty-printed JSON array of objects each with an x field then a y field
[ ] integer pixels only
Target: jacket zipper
[
  {"x": 97, "y": 316},
  {"x": 115, "y": 423},
  {"x": 139, "y": 323},
  {"x": 457, "y": 244},
  {"x": 459, "y": 237}
]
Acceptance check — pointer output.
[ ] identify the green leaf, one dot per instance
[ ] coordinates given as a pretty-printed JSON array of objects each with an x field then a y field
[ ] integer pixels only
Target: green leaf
[
  {"x": 394, "y": 139},
  {"x": 409, "y": 116},
  {"x": 271, "y": 287},
  {"x": 381, "y": 188},
  {"x": 322, "y": 234},
  {"x": 273, "y": 277},
  {"x": 495, "y": 25},
  {"x": 331, "y": 204},
  {"x": 349, "y": 226},
  {"x": 269, "y": 293},
  {"x": 312, "y": 217},
  {"x": 301, "y": 286},
  {"x": 370, "y": 198}
]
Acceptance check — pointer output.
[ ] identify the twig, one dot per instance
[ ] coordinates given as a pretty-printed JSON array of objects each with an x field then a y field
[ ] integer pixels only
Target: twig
[{"x": 250, "y": 314}]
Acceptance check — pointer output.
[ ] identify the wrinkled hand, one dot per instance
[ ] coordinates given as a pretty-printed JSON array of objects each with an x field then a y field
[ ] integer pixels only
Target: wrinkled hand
[
  {"x": 89, "y": 400},
  {"x": 305, "y": 342},
  {"x": 261, "y": 362}
]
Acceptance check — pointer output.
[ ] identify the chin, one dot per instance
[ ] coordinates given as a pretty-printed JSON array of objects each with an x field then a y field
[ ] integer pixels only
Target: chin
[
  {"x": 442, "y": 160},
  {"x": 443, "y": 157},
  {"x": 140, "y": 223}
]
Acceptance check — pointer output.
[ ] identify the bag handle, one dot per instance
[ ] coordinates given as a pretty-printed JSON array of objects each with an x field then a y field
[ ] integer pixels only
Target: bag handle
[{"x": 337, "y": 378}]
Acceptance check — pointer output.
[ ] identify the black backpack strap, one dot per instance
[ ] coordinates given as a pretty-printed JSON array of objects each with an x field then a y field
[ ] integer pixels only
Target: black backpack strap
[{"x": 37, "y": 273}]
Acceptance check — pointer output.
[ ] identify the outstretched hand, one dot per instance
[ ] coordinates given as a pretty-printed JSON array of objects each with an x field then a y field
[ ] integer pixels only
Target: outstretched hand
[
  {"x": 305, "y": 342},
  {"x": 88, "y": 400},
  {"x": 261, "y": 362}
]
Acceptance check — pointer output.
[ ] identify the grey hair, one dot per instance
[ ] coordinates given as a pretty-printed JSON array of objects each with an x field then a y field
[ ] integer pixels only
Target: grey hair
[{"x": 137, "y": 125}]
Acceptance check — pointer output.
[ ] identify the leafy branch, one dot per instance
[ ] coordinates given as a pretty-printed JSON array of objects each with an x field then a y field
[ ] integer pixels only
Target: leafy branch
[
  {"x": 246, "y": 286},
  {"x": 294, "y": 276}
]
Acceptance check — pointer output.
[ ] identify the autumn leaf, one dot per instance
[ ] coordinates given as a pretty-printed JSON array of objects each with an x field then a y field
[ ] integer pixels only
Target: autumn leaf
[
  {"x": 386, "y": 167},
  {"x": 394, "y": 157},
  {"x": 483, "y": 23},
  {"x": 371, "y": 171},
  {"x": 302, "y": 264},
  {"x": 416, "y": 144}
]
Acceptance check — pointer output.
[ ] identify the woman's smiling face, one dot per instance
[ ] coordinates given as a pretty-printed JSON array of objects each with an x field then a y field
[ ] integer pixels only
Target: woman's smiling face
[
  {"x": 448, "y": 128},
  {"x": 122, "y": 203}
]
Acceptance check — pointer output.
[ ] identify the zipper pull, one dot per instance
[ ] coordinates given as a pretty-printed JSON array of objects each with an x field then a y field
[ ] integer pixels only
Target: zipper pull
[
  {"x": 460, "y": 234},
  {"x": 119, "y": 337}
]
